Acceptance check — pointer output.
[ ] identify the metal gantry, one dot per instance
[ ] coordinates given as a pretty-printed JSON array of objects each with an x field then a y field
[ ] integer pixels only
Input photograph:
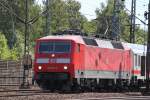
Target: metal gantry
[
  {"x": 148, "y": 53},
  {"x": 25, "y": 83},
  {"x": 115, "y": 20},
  {"x": 132, "y": 27},
  {"x": 48, "y": 18}
]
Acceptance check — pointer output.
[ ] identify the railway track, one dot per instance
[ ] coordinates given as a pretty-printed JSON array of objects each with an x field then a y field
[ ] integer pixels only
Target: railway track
[
  {"x": 17, "y": 90},
  {"x": 24, "y": 92},
  {"x": 119, "y": 98},
  {"x": 33, "y": 94}
]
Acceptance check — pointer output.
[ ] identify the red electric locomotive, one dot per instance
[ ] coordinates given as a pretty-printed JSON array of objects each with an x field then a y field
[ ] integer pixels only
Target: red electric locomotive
[{"x": 73, "y": 61}]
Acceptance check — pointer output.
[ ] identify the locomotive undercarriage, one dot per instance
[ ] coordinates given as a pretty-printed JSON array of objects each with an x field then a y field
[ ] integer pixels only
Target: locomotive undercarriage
[
  {"x": 110, "y": 85},
  {"x": 65, "y": 83},
  {"x": 102, "y": 85},
  {"x": 54, "y": 81},
  {"x": 62, "y": 85}
]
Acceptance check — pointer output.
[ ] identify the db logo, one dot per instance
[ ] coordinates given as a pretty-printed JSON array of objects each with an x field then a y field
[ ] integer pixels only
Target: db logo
[{"x": 53, "y": 60}]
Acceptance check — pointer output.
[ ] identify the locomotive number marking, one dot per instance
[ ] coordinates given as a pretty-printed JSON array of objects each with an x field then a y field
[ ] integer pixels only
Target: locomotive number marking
[{"x": 50, "y": 67}]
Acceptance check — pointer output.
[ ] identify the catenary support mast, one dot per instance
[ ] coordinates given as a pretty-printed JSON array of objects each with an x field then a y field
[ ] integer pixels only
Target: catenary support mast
[
  {"x": 115, "y": 20},
  {"x": 25, "y": 83},
  {"x": 132, "y": 27},
  {"x": 148, "y": 52},
  {"x": 47, "y": 29}
]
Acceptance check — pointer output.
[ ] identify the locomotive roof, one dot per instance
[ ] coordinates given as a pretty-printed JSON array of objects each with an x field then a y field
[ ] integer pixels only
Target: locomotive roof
[
  {"x": 75, "y": 38},
  {"x": 136, "y": 48}
]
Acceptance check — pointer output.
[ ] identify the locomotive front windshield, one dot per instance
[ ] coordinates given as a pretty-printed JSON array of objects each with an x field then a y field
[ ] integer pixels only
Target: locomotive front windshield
[{"x": 54, "y": 47}]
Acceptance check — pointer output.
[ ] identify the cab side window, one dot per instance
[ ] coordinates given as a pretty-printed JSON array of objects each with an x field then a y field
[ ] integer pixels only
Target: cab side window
[{"x": 137, "y": 60}]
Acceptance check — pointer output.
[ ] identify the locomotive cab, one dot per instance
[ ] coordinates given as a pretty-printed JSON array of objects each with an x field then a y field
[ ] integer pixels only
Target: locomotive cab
[{"x": 53, "y": 61}]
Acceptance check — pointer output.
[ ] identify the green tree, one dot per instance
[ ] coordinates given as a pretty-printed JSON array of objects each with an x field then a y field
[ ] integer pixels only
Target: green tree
[
  {"x": 140, "y": 36},
  {"x": 73, "y": 13},
  {"x": 58, "y": 15},
  {"x": 13, "y": 28},
  {"x": 7, "y": 21},
  {"x": 104, "y": 18},
  {"x": 68, "y": 17},
  {"x": 4, "y": 52}
]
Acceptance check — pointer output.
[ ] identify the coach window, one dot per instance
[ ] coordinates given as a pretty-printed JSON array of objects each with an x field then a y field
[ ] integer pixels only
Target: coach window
[
  {"x": 135, "y": 60},
  {"x": 139, "y": 60}
]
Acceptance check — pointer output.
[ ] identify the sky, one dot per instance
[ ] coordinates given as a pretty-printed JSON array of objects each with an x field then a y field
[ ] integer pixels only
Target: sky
[
  {"x": 141, "y": 7},
  {"x": 88, "y": 8}
]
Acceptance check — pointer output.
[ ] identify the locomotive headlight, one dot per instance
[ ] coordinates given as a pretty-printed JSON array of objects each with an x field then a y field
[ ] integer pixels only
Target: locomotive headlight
[
  {"x": 39, "y": 67},
  {"x": 65, "y": 67}
]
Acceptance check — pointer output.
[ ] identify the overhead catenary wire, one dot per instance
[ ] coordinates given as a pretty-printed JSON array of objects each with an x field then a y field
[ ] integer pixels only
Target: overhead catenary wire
[
  {"x": 32, "y": 20},
  {"x": 9, "y": 9},
  {"x": 136, "y": 16}
]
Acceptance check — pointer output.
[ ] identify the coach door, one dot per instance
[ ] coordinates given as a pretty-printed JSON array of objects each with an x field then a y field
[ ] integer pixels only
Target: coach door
[{"x": 143, "y": 65}]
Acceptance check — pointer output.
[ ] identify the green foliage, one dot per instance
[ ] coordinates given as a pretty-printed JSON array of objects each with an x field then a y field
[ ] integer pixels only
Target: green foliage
[
  {"x": 124, "y": 26},
  {"x": 64, "y": 14},
  {"x": 5, "y": 53},
  {"x": 104, "y": 18},
  {"x": 13, "y": 29},
  {"x": 58, "y": 15},
  {"x": 73, "y": 13},
  {"x": 89, "y": 27},
  {"x": 140, "y": 36}
]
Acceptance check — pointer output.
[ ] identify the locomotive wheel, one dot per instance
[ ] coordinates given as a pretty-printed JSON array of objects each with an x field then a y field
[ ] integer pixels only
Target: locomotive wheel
[
  {"x": 66, "y": 87},
  {"x": 46, "y": 85}
]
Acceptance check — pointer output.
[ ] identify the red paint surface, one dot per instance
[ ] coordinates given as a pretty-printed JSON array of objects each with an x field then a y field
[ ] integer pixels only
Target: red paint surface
[
  {"x": 89, "y": 58},
  {"x": 136, "y": 72},
  {"x": 52, "y": 66},
  {"x": 107, "y": 59}
]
